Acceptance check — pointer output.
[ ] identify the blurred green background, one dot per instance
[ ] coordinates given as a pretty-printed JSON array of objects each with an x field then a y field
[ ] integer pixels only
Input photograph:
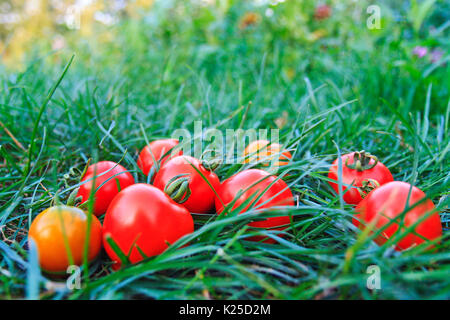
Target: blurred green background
[{"x": 395, "y": 63}]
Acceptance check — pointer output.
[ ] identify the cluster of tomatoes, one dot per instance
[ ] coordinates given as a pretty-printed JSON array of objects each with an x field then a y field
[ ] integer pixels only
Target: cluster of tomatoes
[
  {"x": 141, "y": 220},
  {"x": 391, "y": 209}
]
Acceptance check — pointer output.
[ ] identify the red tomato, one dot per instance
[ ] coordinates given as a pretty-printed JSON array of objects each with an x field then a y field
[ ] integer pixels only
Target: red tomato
[
  {"x": 158, "y": 148},
  {"x": 52, "y": 225},
  {"x": 255, "y": 181},
  {"x": 361, "y": 170},
  {"x": 201, "y": 198},
  {"x": 144, "y": 217},
  {"x": 387, "y": 202},
  {"x": 108, "y": 191}
]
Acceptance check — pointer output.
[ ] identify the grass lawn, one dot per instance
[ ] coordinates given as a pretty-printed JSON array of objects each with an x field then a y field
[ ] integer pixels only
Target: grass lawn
[{"x": 331, "y": 86}]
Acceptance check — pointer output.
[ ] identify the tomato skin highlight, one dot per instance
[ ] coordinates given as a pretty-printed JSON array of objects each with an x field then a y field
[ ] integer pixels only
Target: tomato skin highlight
[
  {"x": 230, "y": 188},
  {"x": 379, "y": 173},
  {"x": 144, "y": 216},
  {"x": 202, "y": 197},
  {"x": 158, "y": 148},
  {"x": 264, "y": 151},
  {"x": 109, "y": 190},
  {"x": 387, "y": 202},
  {"x": 48, "y": 230}
]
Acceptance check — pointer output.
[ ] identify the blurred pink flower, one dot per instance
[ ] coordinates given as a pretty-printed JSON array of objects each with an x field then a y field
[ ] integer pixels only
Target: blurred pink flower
[
  {"x": 59, "y": 42},
  {"x": 436, "y": 55},
  {"x": 420, "y": 51}
]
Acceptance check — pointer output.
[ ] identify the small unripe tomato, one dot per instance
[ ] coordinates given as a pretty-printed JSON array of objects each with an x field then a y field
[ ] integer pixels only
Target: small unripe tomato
[
  {"x": 388, "y": 202},
  {"x": 198, "y": 196},
  {"x": 253, "y": 182},
  {"x": 265, "y": 152},
  {"x": 158, "y": 148},
  {"x": 49, "y": 230},
  {"x": 361, "y": 170},
  {"x": 142, "y": 220},
  {"x": 104, "y": 170}
]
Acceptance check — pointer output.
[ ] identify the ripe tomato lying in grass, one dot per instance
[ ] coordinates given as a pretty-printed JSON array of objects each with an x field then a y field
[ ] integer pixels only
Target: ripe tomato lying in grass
[
  {"x": 387, "y": 203},
  {"x": 104, "y": 170},
  {"x": 253, "y": 182},
  {"x": 361, "y": 170},
  {"x": 158, "y": 148},
  {"x": 264, "y": 152},
  {"x": 186, "y": 185},
  {"x": 50, "y": 229},
  {"x": 141, "y": 220}
]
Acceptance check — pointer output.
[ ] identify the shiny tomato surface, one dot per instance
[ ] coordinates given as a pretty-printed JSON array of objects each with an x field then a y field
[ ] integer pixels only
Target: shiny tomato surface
[
  {"x": 104, "y": 170},
  {"x": 357, "y": 178},
  {"x": 144, "y": 217},
  {"x": 158, "y": 148},
  {"x": 387, "y": 203},
  {"x": 254, "y": 182},
  {"x": 52, "y": 225},
  {"x": 201, "y": 199}
]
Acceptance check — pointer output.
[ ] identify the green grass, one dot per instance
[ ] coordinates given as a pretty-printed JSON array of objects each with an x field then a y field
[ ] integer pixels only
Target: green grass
[{"x": 354, "y": 89}]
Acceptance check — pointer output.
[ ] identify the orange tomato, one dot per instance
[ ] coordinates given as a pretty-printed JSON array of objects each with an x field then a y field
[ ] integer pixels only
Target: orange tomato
[
  {"x": 263, "y": 151},
  {"x": 50, "y": 229}
]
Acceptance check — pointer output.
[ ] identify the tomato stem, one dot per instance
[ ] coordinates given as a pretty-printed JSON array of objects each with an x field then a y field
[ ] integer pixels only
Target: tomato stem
[
  {"x": 213, "y": 161},
  {"x": 367, "y": 186},
  {"x": 361, "y": 161},
  {"x": 178, "y": 188},
  {"x": 72, "y": 197}
]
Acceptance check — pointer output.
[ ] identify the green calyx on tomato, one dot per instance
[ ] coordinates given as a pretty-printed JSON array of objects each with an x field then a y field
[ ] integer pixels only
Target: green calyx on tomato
[
  {"x": 201, "y": 182},
  {"x": 356, "y": 183},
  {"x": 178, "y": 188},
  {"x": 211, "y": 160},
  {"x": 367, "y": 186},
  {"x": 361, "y": 161}
]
